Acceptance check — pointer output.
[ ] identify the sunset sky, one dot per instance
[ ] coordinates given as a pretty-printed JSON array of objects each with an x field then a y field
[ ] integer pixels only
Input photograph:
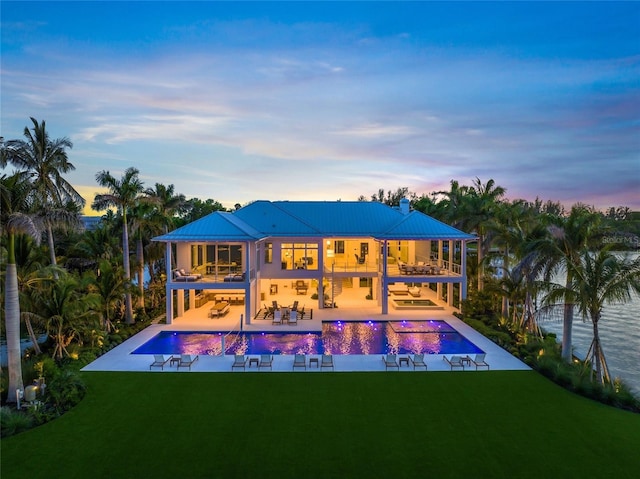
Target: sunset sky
[{"x": 240, "y": 101}]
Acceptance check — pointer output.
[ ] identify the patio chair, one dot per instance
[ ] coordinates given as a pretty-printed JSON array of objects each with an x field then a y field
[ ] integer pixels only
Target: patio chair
[
  {"x": 277, "y": 317},
  {"x": 454, "y": 362},
  {"x": 299, "y": 361},
  {"x": 293, "y": 317},
  {"x": 390, "y": 361},
  {"x": 266, "y": 361},
  {"x": 418, "y": 361},
  {"x": 178, "y": 276},
  {"x": 189, "y": 273},
  {"x": 159, "y": 361},
  {"x": 479, "y": 361},
  {"x": 327, "y": 361},
  {"x": 239, "y": 361},
  {"x": 186, "y": 361}
]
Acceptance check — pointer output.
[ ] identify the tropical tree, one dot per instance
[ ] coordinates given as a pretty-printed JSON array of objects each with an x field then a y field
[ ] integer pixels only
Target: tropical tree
[
  {"x": 123, "y": 195},
  {"x": 597, "y": 279},
  {"x": 33, "y": 271},
  {"x": 14, "y": 202},
  {"x": 109, "y": 287},
  {"x": 65, "y": 307},
  {"x": 478, "y": 208},
  {"x": 167, "y": 207},
  {"x": 44, "y": 161},
  {"x": 570, "y": 236}
]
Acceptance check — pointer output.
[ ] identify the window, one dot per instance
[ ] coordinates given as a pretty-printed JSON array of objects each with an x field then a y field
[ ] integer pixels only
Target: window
[
  {"x": 339, "y": 246},
  {"x": 299, "y": 255},
  {"x": 268, "y": 253}
]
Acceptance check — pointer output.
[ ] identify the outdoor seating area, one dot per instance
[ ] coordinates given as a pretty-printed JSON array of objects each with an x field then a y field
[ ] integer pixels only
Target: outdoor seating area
[
  {"x": 282, "y": 314},
  {"x": 181, "y": 275},
  {"x": 300, "y": 286},
  {"x": 182, "y": 361},
  {"x": 390, "y": 362},
  {"x": 219, "y": 309},
  {"x": 420, "y": 268}
]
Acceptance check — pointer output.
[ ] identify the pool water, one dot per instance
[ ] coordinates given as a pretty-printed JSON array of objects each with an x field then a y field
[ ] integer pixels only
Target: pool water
[{"x": 363, "y": 337}]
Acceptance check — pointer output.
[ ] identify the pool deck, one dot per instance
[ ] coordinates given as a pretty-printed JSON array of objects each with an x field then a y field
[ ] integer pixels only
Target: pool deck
[{"x": 121, "y": 359}]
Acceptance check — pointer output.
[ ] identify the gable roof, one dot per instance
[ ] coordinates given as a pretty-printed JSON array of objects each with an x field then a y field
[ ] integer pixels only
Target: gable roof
[{"x": 263, "y": 219}]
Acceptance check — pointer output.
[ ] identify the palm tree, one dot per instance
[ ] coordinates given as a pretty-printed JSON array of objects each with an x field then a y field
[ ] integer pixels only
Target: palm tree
[
  {"x": 570, "y": 237},
  {"x": 14, "y": 201},
  {"x": 44, "y": 161},
  {"x": 167, "y": 206},
  {"x": 123, "y": 195},
  {"x": 109, "y": 286},
  {"x": 65, "y": 308},
  {"x": 142, "y": 228},
  {"x": 477, "y": 209},
  {"x": 33, "y": 271},
  {"x": 597, "y": 278}
]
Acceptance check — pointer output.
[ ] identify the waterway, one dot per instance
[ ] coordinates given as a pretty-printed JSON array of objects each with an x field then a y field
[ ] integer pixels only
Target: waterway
[{"x": 620, "y": 335}]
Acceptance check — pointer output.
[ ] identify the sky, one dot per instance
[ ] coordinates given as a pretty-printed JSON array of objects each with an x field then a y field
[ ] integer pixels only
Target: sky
[{"x": 245, "y": 101}]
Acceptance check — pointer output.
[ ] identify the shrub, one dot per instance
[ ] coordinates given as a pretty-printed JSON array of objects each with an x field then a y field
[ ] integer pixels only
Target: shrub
[
  {"x": 13, "y": 421},
  {"x": 65, "y": 390}
]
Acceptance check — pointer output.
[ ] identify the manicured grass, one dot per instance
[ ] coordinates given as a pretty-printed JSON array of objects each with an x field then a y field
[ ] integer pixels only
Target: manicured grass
[{"x": 502, "y": 424}]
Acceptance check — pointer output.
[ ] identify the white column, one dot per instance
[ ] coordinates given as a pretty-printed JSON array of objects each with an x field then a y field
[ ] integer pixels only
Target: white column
[
  {"x": 192, "y": 298},
  {"x": 180, "y": 303},
  {"x": 169, "y": 291}
]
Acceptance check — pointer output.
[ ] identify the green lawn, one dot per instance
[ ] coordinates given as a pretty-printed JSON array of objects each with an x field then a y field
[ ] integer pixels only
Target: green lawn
[{"x": 502, "y": 424}]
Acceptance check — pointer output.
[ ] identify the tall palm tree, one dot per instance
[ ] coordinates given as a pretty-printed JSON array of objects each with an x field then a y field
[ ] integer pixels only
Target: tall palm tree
[
  {"x": 597, "y": 278},
  {"x": 167, "y": 207},
  {"x": 108, "y": 285},
  {"x": 14, "y": 202},
  {"x": 477, "y": 210},
  {"x": 142, "y": 227},
  {"x": 44, "y": 161},
  {"x": 123, "y": 195},
  {"x": 571, "y": 235}
]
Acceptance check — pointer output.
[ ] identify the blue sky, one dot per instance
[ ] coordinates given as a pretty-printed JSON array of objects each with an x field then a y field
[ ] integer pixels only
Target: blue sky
[{"x": 240, "y": 101}]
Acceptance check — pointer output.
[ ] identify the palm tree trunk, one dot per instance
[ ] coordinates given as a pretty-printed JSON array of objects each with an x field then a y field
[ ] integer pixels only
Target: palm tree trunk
[
  {"x": 480, "y": 265},
  {"x": 597, "y": 355},
  {"x": 32, "y": 335},
  {"x": 127, "y": 271},
  {"x": 567, "y": 325},
  {"x": 140, "y": 259},
  {"x": 505, "y": 297},
  {"x": 12, "y": 315}
]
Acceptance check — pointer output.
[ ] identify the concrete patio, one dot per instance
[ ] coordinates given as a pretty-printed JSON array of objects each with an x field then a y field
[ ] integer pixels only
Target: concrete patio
[{"x": 351, "y": 307}]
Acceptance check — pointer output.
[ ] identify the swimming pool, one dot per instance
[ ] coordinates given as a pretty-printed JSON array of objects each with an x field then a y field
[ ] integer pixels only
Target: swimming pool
[{"x": 362, "y": 337}]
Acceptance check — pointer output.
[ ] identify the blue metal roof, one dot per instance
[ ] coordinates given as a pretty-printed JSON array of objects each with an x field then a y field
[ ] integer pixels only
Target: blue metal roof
[
  {"x": 416, "y": 225},
  {"x": 217, "y": 226},
  {"x": 263, "y": 219}
]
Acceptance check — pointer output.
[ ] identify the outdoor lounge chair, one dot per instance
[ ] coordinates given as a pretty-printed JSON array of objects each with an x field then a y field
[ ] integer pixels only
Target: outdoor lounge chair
[
  {"x": 178, "y": 276},
  {"x": 239, "y": 361},
  {"x": 293, "y": 317},
  {"x": 479, "y": 361},
  {"x": 390, "y": 361},
  {"x": 266, "y": 361},
  {"x": 327, "y": 361},
  {"x": 454, "y": 362},
  {"x": 159, "y": 361},
  {"x": 186, "y": 361},
  {"x": 189, "y": 273},
  {"x": 299, "y": 361},
  {"x": 418, "y": 361},
  {"x": 277, "y": 317}
]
